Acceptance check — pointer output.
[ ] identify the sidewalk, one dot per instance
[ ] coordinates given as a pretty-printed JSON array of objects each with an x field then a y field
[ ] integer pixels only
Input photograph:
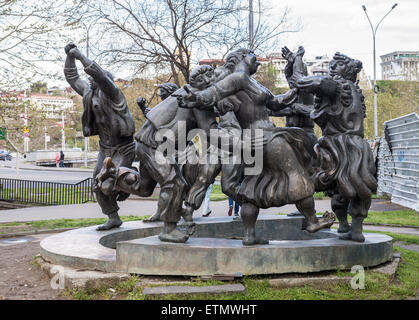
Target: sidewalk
[
  {"x": 148, "y": 207},
  {"x": 27, "y": 166}
]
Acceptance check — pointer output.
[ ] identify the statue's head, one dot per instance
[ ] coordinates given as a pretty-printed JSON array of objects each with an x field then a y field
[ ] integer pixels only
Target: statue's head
[
  {"x": 202, "y": 77},
  {"x": 344, "y": 66},
  {"x": 93, "y": 84},
  {"x": 166, "y": 89},
  {"x": 242, "y": 55}
]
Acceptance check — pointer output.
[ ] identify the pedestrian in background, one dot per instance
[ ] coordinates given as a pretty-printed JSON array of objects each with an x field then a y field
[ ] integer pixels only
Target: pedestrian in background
[
  {"x": 206, "y": 211},
  {"x": 61, "y": 159},
  {"x": 57, "y": 159}
]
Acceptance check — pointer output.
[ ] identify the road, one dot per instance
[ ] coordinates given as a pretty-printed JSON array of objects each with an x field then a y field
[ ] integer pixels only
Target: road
[{"x": 64, "y": 176}]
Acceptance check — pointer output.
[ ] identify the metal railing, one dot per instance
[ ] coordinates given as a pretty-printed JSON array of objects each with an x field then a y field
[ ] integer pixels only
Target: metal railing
[
  {"x": 46, "y": 193},
  {"x": 398, "y": 161}
]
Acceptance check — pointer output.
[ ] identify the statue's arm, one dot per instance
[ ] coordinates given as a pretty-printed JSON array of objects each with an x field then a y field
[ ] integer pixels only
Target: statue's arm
[
  {"x": 319, "y": 85},
  {"x": 281, "y": 113},
  {"x": 207, "y": 98},
  {"x": 282, "y": 101},
  {"x": 106, "y": 84},
  {"x": 72, "y": 76}
]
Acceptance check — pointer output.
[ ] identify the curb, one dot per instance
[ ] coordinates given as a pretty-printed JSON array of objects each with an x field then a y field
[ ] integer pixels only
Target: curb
[
  {"x": 28, "y": 233},
  {"x": 51, "y": 169}
]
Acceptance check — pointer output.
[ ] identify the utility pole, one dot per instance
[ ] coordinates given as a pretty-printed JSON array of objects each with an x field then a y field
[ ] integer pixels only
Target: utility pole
[
  {"x": 62, "y": 132},
  {"x": 86, "y": 139},
  {"x": 251, "y": 26},
  {"x": 374, "y": 32}
]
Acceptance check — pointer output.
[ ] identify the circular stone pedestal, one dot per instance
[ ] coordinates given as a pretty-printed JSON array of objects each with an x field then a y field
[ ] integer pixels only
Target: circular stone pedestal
[{"x": 215, "y": 248}]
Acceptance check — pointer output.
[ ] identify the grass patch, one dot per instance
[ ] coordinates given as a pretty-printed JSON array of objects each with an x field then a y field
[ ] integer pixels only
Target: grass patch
[
  {"x": 404, "y": 238},
  {"x": 61, "y": 223},
  {"x": 377, "y": 287},
  {"x": 400, "y": 217},
  {"x": 406, "y": 218},
  {"x": 217, "y": 194}
]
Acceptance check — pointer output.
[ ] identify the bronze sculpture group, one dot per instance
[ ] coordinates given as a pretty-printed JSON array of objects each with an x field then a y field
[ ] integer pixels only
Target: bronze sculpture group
[{"x": 230, "y": 111}]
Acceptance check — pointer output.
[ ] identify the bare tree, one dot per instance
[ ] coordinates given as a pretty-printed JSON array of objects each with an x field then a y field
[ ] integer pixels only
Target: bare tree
[
  {"x": 172, "y": 35},
  {"x": 29, "y": 33}
]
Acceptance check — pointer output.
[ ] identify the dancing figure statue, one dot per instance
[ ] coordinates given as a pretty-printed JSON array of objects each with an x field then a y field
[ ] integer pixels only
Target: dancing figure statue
[
  {"x": 347, "y": 165},
  {"x": 105, "y": 114}
]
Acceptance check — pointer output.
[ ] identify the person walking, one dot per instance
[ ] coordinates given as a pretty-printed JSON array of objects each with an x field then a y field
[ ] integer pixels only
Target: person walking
[
  {"x": 206, "y": 211},
  {"x": 57, "y": 159},
  {"x": 62, "y": 159},
  {"x": 236, "y": 207}
]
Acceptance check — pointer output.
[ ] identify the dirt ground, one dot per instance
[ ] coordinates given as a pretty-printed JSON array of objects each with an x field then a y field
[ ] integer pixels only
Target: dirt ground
[{"x": 19, "y": 278}]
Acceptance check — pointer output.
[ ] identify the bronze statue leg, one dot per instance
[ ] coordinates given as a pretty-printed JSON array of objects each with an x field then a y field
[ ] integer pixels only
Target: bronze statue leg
[
  {"x": 340, "y": 208},
  {"x": 108, "y": 202},
  {"x": 306, "y": 206},
  {"x": 205, "y": 177},
  {"x": 358, "y": 209},
  {"x": 249, "y": 214}
]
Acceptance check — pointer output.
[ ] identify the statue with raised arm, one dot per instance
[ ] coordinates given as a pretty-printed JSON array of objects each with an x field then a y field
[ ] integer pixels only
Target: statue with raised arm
[
  {"x": 297, "y": 114},
  {"x": 105, "y": 114},
  {"x": 347, "y": 165},
  {"x": 167, "y": 117}
]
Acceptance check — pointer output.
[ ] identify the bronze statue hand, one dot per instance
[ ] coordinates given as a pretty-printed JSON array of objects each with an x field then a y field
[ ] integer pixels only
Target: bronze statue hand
[
  {"x": 141, "y": 102},
  {"x": 68, "y": 47},
  {"x": 300, "y": 51},
  {"x": 189, "y": 100},
  {"x": 75, "y": 52},
  {"x": 290, "y": 96},
  {"x": 287, "y": 54}
]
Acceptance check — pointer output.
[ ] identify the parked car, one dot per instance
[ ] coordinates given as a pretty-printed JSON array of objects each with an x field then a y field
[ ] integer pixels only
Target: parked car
[{"x": 5, "y": 155}]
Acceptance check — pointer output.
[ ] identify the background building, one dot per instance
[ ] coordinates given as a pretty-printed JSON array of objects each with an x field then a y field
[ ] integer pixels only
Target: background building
[
  {"x": 400, "y": 65},
  {"x": 52, "y": 106}
]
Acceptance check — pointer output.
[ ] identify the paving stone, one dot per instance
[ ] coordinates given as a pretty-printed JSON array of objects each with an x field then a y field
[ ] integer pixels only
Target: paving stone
[
  {"x": 292, "y": 282},
  {"x": 389, "y": 268},
  {"x": 88, "y": 280},
  {"x": 187, "y": 290}
]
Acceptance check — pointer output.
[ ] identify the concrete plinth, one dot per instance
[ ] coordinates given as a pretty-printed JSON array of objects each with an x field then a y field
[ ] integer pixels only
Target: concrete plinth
[{"x": 214, "y": 249}]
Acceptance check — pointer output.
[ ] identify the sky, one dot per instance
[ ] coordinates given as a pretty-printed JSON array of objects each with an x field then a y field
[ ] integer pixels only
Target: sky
[{"x": 341, "y": 25}]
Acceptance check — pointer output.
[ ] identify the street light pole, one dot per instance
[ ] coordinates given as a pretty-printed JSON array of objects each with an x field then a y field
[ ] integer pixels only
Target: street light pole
[
  {"x": 251, "y": 26},
  {"x": 86, "y": 139},
  {"x": 374, "y": 32}
]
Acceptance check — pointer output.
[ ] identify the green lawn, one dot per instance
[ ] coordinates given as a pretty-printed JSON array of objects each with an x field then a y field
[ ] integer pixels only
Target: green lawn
[
  {"x": 218, "y": 195},
  {"x": 401, "y": 217},
  {"x": 60, "y": 223},
  {"x": 377, "y": 287}
]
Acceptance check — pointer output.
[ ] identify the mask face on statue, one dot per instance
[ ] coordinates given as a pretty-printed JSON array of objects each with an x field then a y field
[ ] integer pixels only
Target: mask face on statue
[
  {"x": 204, "y": 80},
  {"x": 337, "y": 68},
  {"x": 344, "y": 66},
  {"x": 163, "y": 94},
  {"x": 202, "y": 77}
]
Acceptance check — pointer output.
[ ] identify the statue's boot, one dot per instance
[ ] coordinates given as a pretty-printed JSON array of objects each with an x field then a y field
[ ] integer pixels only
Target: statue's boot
[
  {"x": 171, "y": 234},
  {"x": 114, "y": 221}
]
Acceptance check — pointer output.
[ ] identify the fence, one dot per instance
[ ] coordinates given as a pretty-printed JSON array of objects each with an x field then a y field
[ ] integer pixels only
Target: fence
[
  {"x": 398, "y": 161},
  {"x": 46, "y": 193}
]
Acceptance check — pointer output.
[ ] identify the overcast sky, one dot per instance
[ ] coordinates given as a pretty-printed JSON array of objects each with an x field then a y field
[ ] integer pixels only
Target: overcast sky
[{"x": 341, "y": 25}]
